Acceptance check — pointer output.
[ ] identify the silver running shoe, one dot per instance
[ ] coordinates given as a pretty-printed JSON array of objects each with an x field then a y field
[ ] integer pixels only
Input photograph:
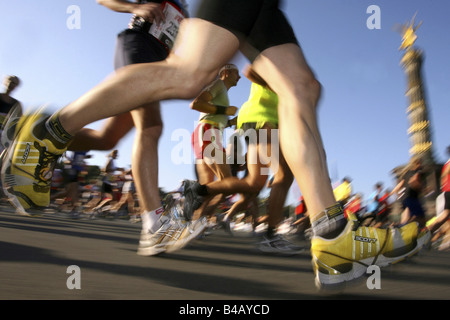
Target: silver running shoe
[
  {"x": 155, "y": 243},
  {"x": 193, "y": 230},
  {"x": 278, "y": 244}
]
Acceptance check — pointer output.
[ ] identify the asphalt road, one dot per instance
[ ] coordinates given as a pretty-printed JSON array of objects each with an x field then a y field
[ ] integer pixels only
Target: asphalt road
[{"x": 35, "y": 254}]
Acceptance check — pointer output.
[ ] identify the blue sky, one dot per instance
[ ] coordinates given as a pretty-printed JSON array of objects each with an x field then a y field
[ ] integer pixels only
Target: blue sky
[{"x": 362, "y": 113}]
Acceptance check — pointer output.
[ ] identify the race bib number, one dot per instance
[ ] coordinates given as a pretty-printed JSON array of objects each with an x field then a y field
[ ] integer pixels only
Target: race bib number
[{"x": 167, "y": 32}]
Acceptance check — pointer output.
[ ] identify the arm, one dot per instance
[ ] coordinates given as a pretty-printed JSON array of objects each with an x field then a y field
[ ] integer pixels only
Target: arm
[
  {"x": 151, "y": 11},
  {"x": 232, "y": 122},
  {"x": 397, "y": 188},
  {"x": 202, "y": 104}
]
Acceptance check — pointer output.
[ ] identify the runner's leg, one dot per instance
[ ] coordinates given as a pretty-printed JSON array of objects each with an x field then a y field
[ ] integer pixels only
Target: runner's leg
[
  {"x": 282, "y": 181},
  {"x": 106, "y": 138},
  {"x": 204, "y": 48},
  {"x": 149, "y": 126},
  {"x": 288, "y": 74}
]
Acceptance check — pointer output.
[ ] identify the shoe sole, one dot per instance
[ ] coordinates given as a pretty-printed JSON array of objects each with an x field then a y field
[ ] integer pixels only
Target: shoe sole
[
  {"x": 279, "y": 252},
  {"x": 6, "y": 164},
  {"x": 12, "y": 199},
  {"x": 9, "y": 144},
  {"x": 150, "y": 251},
  {"x": 328, "y": 282}
]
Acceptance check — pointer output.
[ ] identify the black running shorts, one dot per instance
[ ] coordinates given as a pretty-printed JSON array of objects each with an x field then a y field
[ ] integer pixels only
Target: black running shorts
[
  {"x": 260, "y": 23},
  {"x": 135, "y": 46}
]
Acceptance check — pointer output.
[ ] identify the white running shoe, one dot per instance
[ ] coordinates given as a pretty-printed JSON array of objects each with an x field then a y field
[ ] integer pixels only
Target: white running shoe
[
  {"x": 193, "y": 230},
  {"x": 155, "y": 243}
]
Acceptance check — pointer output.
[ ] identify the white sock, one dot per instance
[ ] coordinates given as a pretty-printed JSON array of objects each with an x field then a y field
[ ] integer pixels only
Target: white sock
[
  {"x": 329, "y": 222},
  {"x": 151, "y": 220}
]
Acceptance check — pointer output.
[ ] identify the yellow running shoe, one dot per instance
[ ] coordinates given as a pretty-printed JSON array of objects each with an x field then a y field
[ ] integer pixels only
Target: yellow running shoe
[
  {"x": 28, "y": 163},
  {"x": 346, "y": 258}
]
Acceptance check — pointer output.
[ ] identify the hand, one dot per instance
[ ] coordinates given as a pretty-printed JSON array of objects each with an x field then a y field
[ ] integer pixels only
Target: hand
[
  {"x": 151, "y": 12},
  {"x": 232, "y": 122},
  {"x": 231, "y": 111}
]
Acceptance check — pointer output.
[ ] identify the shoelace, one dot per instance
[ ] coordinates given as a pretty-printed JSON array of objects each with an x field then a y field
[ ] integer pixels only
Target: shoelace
[{"x": 44, "y": 170}]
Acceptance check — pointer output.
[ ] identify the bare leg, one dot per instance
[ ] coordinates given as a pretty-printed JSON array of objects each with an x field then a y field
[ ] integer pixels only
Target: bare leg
[
  {"x": 405, "y": 217},
  {"x": 208, "y": 171},
  {"x": 149, "y": 126},
  {"x": 203, "y": 48},
  {"x": 205, "y": 176},
  {"x": 145, "y": 152},
  {"x": 280, "y": 186},
  {"x": 442, "y": 231},
  {"x": 113, "y": 130},
  {"x": 443, "y": 217},
  {"x": 286, "y": 71},
  {"x": 254, "y": 182},
  {"x": 254, "y": 212},
  {"x": 240, "y": 205}
]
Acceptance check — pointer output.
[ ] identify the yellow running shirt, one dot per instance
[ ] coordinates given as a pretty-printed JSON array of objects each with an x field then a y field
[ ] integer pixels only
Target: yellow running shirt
[{"x": 260, "y": 108}]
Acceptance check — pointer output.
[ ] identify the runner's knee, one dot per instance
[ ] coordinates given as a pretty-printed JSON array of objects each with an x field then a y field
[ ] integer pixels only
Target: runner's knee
[
  {"x": 190, "y": 80},
  {"x": 195, "y": 83},
  {"x": 309, "y": 87}
]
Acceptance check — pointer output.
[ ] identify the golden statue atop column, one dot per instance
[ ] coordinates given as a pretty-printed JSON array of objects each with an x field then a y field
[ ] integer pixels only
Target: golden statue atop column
[
  {"x": 409, "y": 35},
  {"x": 419, "y": 130}
]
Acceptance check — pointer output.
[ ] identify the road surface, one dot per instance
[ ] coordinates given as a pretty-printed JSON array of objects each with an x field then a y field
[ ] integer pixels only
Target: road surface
[{"x": 36, "y": 255}]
